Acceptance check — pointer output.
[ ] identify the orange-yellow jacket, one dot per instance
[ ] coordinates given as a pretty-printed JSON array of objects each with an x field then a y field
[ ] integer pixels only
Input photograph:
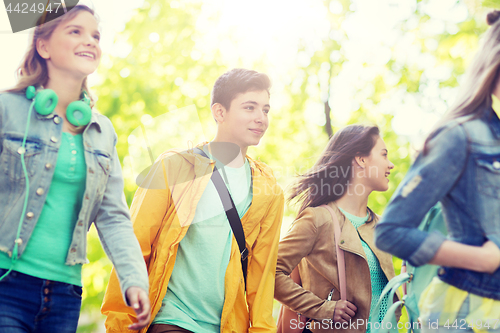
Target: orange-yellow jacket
[{"x": 162, "y": 210}]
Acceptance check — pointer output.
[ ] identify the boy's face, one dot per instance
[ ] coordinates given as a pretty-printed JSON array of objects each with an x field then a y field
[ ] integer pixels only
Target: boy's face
[{"x": 247, "y": 120}]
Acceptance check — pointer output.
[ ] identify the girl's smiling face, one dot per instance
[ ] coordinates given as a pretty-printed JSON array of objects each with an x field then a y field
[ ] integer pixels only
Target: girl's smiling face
[
  {"x": 73, "y": 48},
  {"x": 378, "y": 167}
]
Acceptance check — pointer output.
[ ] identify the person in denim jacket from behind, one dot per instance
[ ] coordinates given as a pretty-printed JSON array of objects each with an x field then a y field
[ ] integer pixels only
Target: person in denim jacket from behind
[
  {"x": 460, "y": 167},
  {"x": 71, "y": 177}
]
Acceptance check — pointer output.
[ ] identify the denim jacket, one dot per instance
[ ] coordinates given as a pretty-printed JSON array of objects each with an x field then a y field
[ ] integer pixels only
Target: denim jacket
[
  {"x": 103, "y": 201},
  {"x": 462, "y": 171}
]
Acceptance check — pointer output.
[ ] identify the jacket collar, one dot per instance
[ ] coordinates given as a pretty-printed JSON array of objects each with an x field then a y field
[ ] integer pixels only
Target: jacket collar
[
  {"x": 491, "y": 117},
  {"x": 95, "y": 120}
]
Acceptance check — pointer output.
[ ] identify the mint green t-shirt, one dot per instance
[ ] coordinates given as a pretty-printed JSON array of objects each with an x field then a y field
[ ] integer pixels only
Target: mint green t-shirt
[
  {"x": 47, "y": 248},
  {"x": 377, "y": 276},
  {"x": 195, "y": 293}
]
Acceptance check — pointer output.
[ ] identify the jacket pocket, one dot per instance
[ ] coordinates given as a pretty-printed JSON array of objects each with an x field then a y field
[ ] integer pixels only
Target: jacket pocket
[
  {"x": 103, "y": 171},
  {"x": 10, "y": 159},
  {"x": 104, "y": 161},
  {"x": 488, "y": 175}
]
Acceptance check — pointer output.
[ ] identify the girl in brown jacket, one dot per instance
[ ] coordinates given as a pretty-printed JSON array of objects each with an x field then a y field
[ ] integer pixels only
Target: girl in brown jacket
[{"x": 354, "y": 164}]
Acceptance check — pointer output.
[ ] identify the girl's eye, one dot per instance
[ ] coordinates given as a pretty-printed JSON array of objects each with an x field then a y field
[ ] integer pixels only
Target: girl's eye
[
  {"x": 75, "y": 31},
  {"x": 97, "y": 37},
  {"x": 249, "y": 107},
  {"x": 266, "y": 111}
]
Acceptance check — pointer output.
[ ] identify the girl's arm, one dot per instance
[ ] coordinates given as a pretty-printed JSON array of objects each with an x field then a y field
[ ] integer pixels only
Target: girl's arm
[
  {"x": 298, "y": 243},
  {"x": 431, "y": 178},
  {"x": 117, "y": 235},
  {"x": 484, "y": 258}
]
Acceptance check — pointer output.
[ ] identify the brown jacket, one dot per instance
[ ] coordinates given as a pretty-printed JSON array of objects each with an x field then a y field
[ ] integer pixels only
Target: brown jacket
[{"x": 310, "y": 244}]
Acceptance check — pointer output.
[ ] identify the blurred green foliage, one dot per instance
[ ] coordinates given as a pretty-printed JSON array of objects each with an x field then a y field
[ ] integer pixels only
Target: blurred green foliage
[{"x": 164, "y": 72}]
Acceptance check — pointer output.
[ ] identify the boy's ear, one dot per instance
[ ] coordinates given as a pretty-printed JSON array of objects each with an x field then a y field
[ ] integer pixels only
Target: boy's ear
[
  {"x": 41, "y": 47},
  {"x": 218, "y": 112},
  {"x": 360, "y": 161}
]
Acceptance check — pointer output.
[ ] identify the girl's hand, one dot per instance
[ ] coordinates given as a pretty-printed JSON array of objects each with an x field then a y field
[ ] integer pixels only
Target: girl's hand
[
  {"x": 139, "y": 301},
  {"x": 492, "y": 256},
  {"x": 344, "y": 311}
]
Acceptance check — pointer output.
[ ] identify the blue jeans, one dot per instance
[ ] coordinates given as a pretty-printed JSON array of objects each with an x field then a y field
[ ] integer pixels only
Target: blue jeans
[{"x": 32, "y": 305}]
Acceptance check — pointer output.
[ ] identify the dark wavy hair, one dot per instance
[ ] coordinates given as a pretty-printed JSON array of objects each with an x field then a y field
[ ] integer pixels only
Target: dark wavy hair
[{"x": 334, "y": 167}]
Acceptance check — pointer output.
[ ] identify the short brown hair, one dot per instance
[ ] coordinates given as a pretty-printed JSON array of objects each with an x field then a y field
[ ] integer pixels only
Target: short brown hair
[{"x": 237, "y": 81}]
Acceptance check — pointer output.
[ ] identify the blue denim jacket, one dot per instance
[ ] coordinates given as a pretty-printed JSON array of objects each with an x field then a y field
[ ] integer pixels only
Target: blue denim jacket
[
  {"x": 462, "y": 171},
  {"x": 103, "y": 202}
]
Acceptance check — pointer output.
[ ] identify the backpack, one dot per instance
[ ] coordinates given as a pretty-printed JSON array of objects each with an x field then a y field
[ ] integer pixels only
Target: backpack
[{"x": 413, "y": 280}]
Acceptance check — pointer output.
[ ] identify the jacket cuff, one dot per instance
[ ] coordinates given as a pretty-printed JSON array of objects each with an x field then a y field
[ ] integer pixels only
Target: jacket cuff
[
  {"x": 325, "y": 311},
  {"x": 427, "y": 250}
]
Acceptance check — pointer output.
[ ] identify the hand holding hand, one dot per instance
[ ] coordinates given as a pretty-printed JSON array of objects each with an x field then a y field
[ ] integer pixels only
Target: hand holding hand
[
  {"x": 139, "y": 301},
  {"x": 344, "y": 311}
]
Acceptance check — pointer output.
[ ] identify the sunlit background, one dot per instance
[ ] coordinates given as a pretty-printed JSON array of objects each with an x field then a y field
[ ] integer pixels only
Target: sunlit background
[{"x": 395, "y": 63}]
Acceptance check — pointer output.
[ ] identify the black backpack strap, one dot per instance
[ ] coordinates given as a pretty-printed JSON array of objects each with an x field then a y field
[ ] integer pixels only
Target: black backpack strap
[{"x": 231, "y": 213}]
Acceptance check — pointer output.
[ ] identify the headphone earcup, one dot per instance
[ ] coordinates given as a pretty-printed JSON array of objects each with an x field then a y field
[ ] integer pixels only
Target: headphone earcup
[
  {"x": 30, "y": 92},
  {"x": 79, "y": 113},
  {"x": 46, "y": 101}
]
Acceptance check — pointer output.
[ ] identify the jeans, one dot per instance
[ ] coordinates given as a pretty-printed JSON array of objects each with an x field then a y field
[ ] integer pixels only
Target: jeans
[{"x": 32, "y": 305}]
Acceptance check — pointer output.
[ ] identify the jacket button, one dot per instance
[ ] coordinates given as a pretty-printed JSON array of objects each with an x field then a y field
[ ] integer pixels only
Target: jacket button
[
  {"x": 441, "y": 271},
  {"x": 48, "y": 166},
  {"x": 91, "y": 170},
  {"x": 73, "y": 250},
  {"x": 30, "y": 215},
  {"x": 496, "y": 165},
  {"x": 57, "y": 120},
  {"x": 80, "y": 223},
  {"x": 53, "y": 139},
  {"x": 40, "y": 191},
  {"x": 21, "y": 150}
]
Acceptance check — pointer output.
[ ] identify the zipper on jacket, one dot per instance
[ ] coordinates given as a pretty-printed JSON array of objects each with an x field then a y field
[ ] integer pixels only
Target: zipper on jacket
[
  {"x": 330, "y": 295},
  {"x": 359, "y": 254}
]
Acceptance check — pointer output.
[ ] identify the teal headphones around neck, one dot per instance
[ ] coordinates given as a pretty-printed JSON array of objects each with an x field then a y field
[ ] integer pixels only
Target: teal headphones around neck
[{"x": 45, "y": 101}]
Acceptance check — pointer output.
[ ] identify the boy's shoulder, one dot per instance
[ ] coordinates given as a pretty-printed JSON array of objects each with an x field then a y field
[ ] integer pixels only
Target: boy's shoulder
[
  {"x": 177, "y": 156},
  {"x": 266, "y": 175},
  {"x": 261, "y": 167}
]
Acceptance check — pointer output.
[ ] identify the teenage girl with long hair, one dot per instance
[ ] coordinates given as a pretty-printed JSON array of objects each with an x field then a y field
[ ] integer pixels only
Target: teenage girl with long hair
[
  {"x": 460, "y": 167},
  {"x": 354, "y": 164},
  {"x": 60, "y": 172}
]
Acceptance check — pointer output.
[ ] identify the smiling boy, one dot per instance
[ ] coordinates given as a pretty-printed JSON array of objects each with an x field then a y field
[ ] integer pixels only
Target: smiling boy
[{"x": 194, "y": 263}]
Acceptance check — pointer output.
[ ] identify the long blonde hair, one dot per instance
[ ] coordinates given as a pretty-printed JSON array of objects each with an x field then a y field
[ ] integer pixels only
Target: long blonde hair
[
  {"x": 33, "y": 69},
  {"x": 474, "y": 97}
]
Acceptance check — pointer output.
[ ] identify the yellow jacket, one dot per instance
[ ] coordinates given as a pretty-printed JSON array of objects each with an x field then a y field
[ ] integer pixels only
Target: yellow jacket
[{"x": 162, "y": 210}]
